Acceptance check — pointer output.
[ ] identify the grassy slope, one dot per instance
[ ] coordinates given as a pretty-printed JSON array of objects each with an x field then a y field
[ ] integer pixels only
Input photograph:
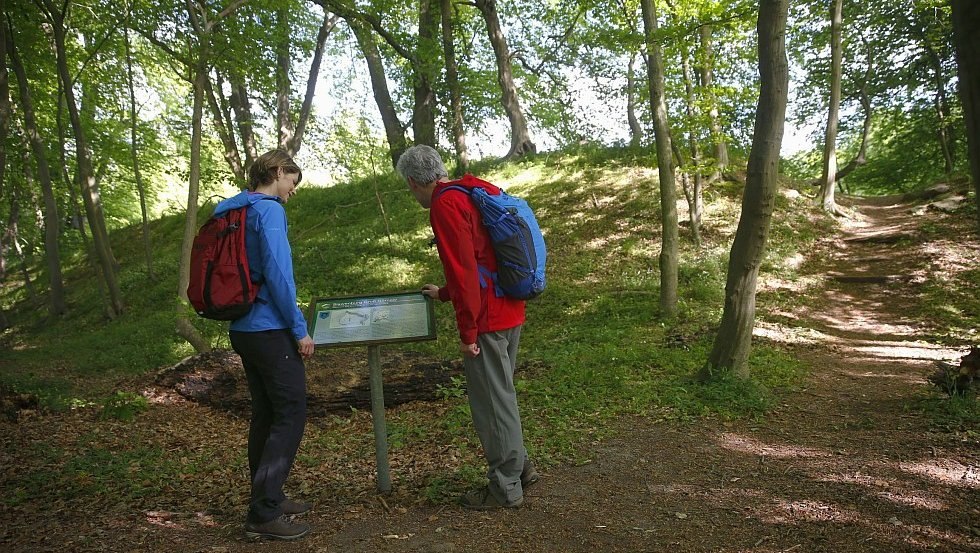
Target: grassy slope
[{"x": 597, "y": 345}]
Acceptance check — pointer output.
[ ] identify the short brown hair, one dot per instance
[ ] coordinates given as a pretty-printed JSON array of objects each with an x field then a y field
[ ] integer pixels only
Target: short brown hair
[{"x": 266, "y": 167}]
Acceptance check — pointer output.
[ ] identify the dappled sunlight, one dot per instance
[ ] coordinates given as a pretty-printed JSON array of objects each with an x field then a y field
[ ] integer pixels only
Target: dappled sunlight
[
  {"x": 945, "y": 471},
  {"x": 745, "y": 444},
  {"x": 888, "y": 489},
  {"x": 786, "y": 334},
  {"x": 789, "y": 511},
  {"x": 901, "y": 350}
]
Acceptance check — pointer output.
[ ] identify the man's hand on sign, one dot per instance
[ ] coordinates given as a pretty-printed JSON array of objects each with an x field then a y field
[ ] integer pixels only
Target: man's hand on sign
[{"x": 431, "y": 290}]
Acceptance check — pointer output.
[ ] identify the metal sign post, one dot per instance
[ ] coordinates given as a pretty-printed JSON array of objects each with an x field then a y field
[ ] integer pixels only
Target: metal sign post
[
  {"x": 378, "y": 418},
  {"x": 372, "y": 321}
]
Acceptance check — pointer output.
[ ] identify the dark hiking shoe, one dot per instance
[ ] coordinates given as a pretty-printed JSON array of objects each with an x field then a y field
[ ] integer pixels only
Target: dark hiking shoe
[
  {"x": 529, "y": 476},
  {"x": 293, "y": 507},
  {"x": 276, "y": 529},
  {"x": 483, "y": 500}
]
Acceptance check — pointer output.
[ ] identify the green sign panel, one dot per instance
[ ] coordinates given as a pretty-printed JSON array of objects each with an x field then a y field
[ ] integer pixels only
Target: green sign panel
[{"x": 366, "y": 320}]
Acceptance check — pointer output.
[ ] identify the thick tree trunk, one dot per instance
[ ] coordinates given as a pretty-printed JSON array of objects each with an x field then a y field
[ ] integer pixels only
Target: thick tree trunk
[
  {"x": 394, "y": 131},
  {"x": 426, "y": 72},
  {"x": 636, "y": 131},
  {"x": 90, "y": 190},
  {"x": 734, "y": 340},
  {"x": 707, "y": 81},
  {"x": 52, "y": 221},
  {"x": 661, "y": 129},
  {"x": 828, "y": 178},
  {"x": 455, "y": 90},
  {"x": 520, "y": 138},
  {"x": 966, "y": 35},
  {"x": 134, "y": 151}
]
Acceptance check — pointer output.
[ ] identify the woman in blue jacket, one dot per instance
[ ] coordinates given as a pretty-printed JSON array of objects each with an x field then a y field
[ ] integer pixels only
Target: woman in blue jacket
[{"x": 272, "y": 341}]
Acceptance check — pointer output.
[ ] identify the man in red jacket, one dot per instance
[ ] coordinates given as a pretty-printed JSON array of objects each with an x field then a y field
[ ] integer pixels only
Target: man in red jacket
[{"x": 489, "y": 326}]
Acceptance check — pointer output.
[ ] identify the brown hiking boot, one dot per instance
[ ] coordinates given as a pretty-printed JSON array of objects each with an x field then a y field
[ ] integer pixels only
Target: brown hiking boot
[
  {"x": 483, "y": 500},
  {"x": 294, "y": 507},
  {"x": 529, "y": 476},
  {"x": 276, "y": 529}
]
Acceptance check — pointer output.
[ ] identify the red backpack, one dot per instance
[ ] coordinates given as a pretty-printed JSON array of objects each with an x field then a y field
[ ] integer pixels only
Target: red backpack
[{"x": 220, "y": 286}]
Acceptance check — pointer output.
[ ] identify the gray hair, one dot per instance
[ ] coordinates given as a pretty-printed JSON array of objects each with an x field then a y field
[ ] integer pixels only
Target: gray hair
[{"x": 422, "y": 164}]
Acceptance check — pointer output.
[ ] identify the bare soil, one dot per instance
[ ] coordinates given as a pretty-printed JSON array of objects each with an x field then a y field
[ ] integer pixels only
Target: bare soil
[{"x": 845, "y": 464}]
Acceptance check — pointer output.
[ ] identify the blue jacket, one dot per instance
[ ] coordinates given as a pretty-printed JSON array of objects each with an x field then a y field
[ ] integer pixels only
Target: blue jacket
[{"x": 271, "y": 263}]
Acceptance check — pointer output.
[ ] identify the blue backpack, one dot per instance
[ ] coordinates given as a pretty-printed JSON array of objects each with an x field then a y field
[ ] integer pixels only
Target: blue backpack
[{"x": 517, "y": 243}]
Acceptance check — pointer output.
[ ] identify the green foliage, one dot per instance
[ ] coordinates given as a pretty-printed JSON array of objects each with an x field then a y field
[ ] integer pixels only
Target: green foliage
[{"x": 123, "y": 406}]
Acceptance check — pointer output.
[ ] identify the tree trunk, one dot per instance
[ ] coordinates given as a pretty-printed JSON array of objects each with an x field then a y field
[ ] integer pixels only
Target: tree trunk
[
  {"x": 284, "y": 120},
  {"x": 243, "y": 117},
  {"x": 829, "y": 176},
  {"x": 5, "y": 111},
  {"x": 426, "y": 72},
  {"x": 636, "y": 131},
  {"x": 707, "y": 81},
  {"x": 394, "y": 131},
  {"x": 224, "y": 126},
  {"x": 966, "y": 36},
  {"x": 692, "y": 191},
  {"x": 520, "y": 138},
  {"x": 861, "y": 157},
  {"x": 329, "y": 22},
  {"x": 941, "y": 103},
  {"x": 134, "y": 150},
  {"x": 661, "y": 129},
  {"x": 90, "y": 190},
  {"x": 52, "y": 222},
  {"x": 455, "y": 91},
  {"x": 734, "y": 340}
]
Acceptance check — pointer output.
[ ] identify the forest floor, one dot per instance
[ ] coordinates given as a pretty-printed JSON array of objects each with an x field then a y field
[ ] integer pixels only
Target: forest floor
[{"x": 843, "y": 464}]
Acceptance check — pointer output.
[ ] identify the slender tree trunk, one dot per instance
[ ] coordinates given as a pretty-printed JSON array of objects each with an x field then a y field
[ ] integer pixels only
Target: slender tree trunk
[
  {"x": 966, "y": 36},
  {"x": 284, "y": 120},
  {"x": 707, "y": 81},
  {"x": 661, "y": 129},
  {"x": 520, "y": 138},
  {"x": 861, "y": 157},
  {"x": 636, "y": 131},
  {"x": 692, "y": 191},
  {"x": 29, "y": 185},
  {"x": 134, "y": 150},
  {"x": 242, "y": 107},
  {"x": 5, "y": 114},
  {"x": 394, "y": 131},
  {"x": 941, "y": 103},
  {"x": 734, "y": 340},
  {"x": 52, "y": 222},
  {"x": 90, "y": 191},
  {"x": 225, "y": 128},
  {"x": 455, "y": 90},
  {"x": 329, "y": 22},
  {"x": 829, "y": 176}
]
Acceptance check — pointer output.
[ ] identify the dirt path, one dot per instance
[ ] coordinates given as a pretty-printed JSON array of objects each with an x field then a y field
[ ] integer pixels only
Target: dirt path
[{"x": 842, "y": 466}]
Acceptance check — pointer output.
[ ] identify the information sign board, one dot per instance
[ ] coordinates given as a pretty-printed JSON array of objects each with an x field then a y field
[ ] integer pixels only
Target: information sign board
[{"x": 376, "y": 319}]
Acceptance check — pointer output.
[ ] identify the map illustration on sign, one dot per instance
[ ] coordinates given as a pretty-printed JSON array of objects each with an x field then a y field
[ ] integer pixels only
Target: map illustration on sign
[{"x": 399, "y": 317}]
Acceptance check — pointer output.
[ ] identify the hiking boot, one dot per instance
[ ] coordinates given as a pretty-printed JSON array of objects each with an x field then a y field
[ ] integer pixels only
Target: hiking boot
[
  {"x": 276, "y": 529},
  {"x": 483, "y": 500},
  {"x": 293, "y": 507},
  {"x": 529, "y": 476}
]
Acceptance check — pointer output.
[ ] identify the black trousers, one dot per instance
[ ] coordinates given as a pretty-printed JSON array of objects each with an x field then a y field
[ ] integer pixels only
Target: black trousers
[{"x": 277, "y": 383}]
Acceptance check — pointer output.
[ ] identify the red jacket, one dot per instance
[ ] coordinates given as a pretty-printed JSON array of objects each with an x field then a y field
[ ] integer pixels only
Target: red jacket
[{"x": 463, "y": 243}]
